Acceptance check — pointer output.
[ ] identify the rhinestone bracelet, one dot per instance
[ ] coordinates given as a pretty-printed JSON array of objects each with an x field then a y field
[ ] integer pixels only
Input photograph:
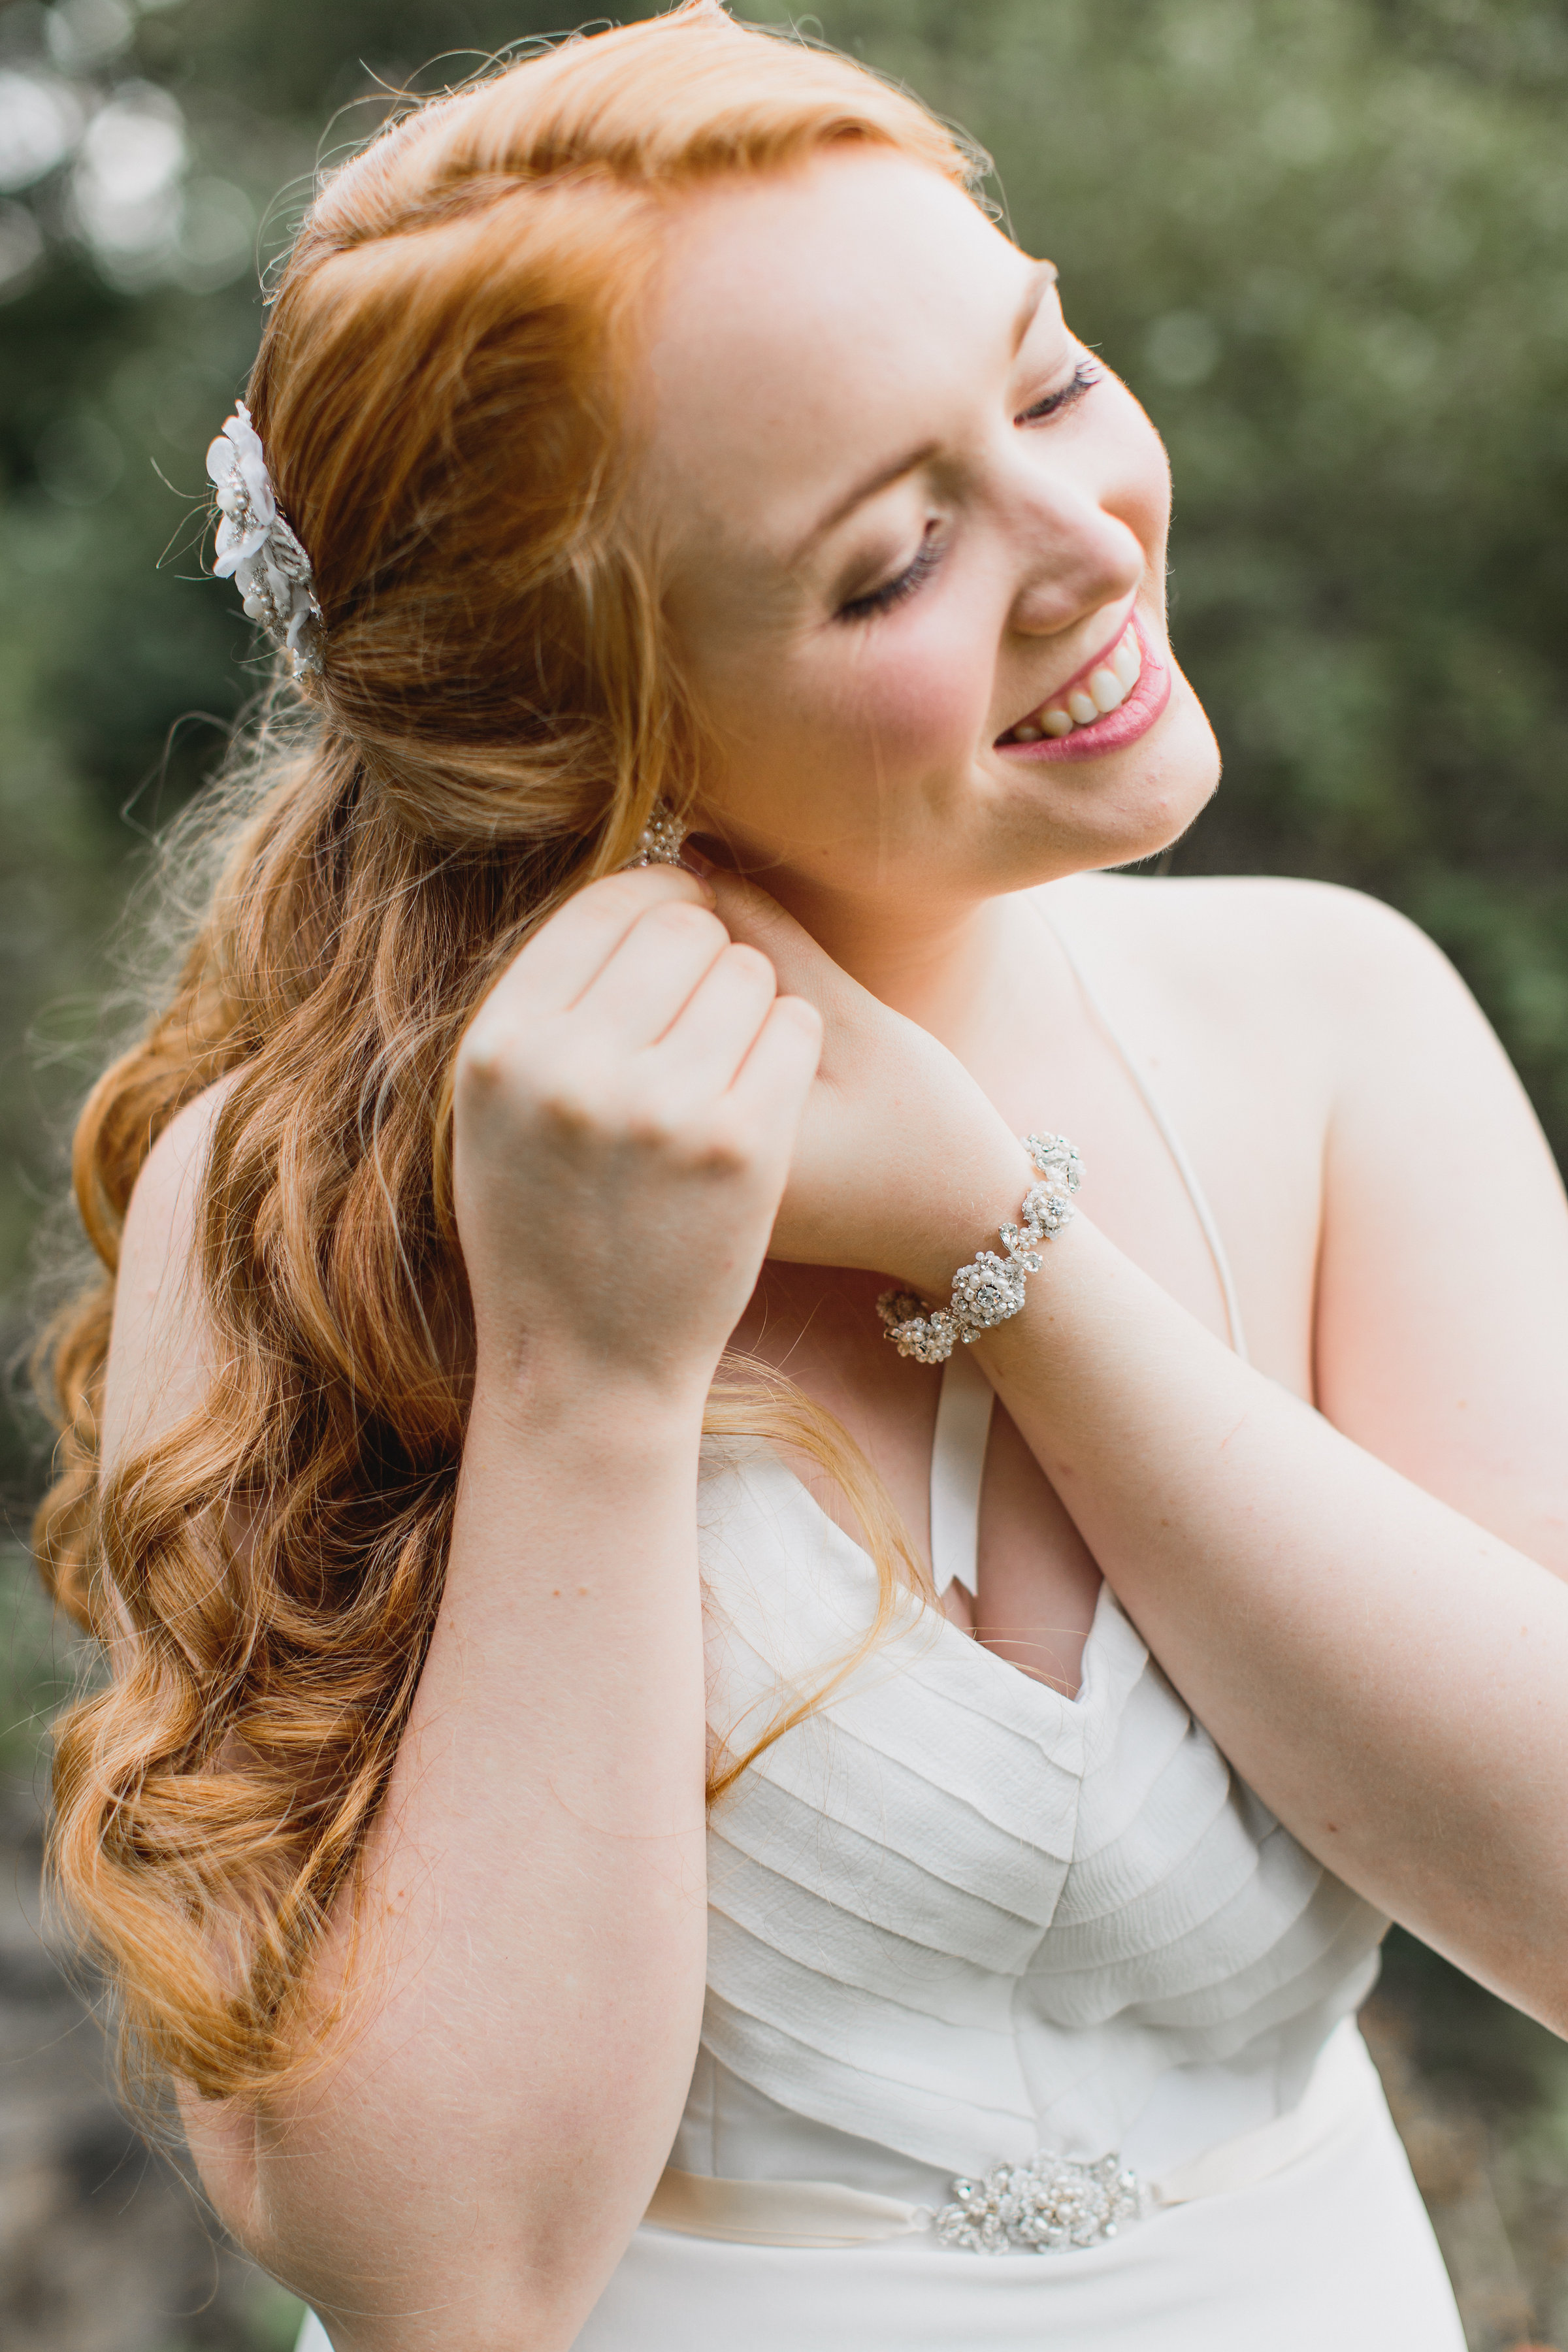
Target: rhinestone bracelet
[{"x": 990, "y": 1288}]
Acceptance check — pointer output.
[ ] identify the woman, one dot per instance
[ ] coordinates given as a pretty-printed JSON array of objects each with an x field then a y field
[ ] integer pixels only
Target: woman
[{"x": 671, "y": 442}]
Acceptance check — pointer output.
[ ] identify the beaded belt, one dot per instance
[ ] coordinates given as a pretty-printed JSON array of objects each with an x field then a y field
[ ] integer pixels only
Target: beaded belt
[{"x": 1049, "y": 2204}]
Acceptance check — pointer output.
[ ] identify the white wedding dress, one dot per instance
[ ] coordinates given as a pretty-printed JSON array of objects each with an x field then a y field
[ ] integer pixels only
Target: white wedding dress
[{"x": 957, "y": 1919}]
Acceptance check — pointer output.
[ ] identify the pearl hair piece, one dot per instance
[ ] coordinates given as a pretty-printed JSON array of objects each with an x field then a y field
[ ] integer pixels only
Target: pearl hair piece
[
  {"x": 257, "y": 549},
  {"x": 990, "y": 1288}
]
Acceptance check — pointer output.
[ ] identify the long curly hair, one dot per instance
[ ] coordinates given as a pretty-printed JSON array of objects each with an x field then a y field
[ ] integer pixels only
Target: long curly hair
[{"x": 443, "y": 392}]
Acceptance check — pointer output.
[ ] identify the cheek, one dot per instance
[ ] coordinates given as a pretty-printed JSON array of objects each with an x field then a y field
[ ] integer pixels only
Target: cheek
[
  {"x": 912, "y": 696},
  {"x": 865, "y": 738}
]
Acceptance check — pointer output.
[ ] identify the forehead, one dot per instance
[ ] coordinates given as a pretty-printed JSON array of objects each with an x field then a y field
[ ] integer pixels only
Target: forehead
[{"x": 812, "y": 322}]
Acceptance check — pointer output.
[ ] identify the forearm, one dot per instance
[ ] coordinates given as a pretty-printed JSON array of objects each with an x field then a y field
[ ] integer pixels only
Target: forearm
[
  {"x": 507, "y": 2016},
  {"x": 525, "y": 1996},
  {"x": 1389, "y": 1676}
]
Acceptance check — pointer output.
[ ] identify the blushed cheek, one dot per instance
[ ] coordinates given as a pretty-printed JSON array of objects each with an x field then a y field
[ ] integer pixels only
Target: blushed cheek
[
  {"x": 893, "y": 724},
  {"x": 920, "y": 704},
  {"x": 870, "y": 737}
]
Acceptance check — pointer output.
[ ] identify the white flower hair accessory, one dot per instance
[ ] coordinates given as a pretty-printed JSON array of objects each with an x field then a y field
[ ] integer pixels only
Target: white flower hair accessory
[{"x": 257, "y": 549}]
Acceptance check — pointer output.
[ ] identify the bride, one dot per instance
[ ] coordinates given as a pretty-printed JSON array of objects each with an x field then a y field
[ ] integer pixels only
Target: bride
[{"x": 729, "y": 1725}]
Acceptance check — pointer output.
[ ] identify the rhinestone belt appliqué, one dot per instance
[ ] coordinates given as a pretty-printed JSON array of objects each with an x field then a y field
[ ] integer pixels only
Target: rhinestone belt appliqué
[{"x": 1050, "y": 2201}]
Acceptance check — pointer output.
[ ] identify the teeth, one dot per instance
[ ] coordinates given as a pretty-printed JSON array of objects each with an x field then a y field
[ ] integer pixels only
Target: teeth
[{"x": 1104, "y": 690}]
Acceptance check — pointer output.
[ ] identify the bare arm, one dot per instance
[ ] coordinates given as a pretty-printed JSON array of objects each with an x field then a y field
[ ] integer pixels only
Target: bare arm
[
  {"x": 1442, "y": 1323},
  {"x": 1369, "y": 1618},
  {"x": 526, "y": 1985},
  {"x": 528, "y": 1982},
  {"x": 1388, "y": 1675}
]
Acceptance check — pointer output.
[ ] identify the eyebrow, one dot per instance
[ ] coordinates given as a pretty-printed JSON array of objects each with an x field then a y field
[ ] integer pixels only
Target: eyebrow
[{"x": 1042, "y": 278}]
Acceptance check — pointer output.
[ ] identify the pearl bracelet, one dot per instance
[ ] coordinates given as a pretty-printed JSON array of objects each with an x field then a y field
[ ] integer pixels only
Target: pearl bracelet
[{"x": 990, "y": 1288}]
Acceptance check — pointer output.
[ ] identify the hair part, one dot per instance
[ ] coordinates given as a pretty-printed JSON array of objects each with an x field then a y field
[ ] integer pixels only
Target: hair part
[{"x": 443, "y": 391}]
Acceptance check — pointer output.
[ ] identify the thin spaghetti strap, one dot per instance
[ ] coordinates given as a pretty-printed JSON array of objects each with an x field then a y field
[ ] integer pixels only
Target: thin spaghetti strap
[
  {"x": 1167, "y": 1132},
  {"x": 957, "y": 1468}
]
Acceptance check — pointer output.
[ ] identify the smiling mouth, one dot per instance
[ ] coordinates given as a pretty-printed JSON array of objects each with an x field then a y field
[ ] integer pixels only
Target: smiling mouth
[{"x": 1089, "y": 698}]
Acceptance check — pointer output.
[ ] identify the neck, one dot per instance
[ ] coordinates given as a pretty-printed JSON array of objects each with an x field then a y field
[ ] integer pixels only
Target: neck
[{"x": 947, "y": 964}]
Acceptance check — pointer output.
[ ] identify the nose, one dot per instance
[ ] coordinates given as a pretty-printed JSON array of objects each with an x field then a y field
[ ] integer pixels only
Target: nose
[{"x": 1073, "y": 556}]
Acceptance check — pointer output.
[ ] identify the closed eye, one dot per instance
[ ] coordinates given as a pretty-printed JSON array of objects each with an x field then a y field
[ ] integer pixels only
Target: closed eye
[
  {"x": 1084, "y": 377},
  {"x": 883, "y": 599}
]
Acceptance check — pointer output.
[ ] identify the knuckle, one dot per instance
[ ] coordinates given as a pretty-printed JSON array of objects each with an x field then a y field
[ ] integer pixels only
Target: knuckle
[
  {"x": 480, "y": 1059},
  {"x": 636, "y": 888},
  {"x": 572, "y": 1106},
  {"x": 750, "y": 965},
  {"x": 806, "y": 1016},
  {"x": 601, "y": 908},
  {"x": 568, "y": 1093},
  {"x": 652, "y": 1127},
  {"x": 646, "y": 1114},
  {"x": 726, "y": 1147},
  {"x": 683, "y": 918},
  {"x": 488, "y": 1057}
]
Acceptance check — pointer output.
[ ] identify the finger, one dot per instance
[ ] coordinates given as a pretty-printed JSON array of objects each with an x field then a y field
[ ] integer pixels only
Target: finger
[
  {"x": 718, "y": 1025},
  {"x": 566, "y": 955},
  {"x": 803, "y": 968},
  {"x": 651, "y": 976},
  {"x": 771, "y": 1087}
]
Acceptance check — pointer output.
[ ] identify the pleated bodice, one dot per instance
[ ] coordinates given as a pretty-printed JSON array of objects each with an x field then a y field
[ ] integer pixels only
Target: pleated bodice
[{"x": 961, "y": 1917}]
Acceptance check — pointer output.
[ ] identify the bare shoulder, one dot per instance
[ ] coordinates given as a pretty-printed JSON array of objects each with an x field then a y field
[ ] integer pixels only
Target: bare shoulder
[
  {"x": 1265, "y": 925},
  {"x": 160, "y": 1361},
  {"x": 1309, "y": 962},
  {"x": 158, "y": 1358},
  {"x": 1311, "y": 987},
  {"x": 166, "y": 1189}
]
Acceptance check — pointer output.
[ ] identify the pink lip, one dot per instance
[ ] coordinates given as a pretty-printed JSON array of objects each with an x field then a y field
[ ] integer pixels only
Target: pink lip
[{"x": 1119, "y": 726}]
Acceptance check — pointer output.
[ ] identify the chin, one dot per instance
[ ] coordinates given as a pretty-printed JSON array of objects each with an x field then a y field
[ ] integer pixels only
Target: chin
[{"x": 1125, "y": 808}]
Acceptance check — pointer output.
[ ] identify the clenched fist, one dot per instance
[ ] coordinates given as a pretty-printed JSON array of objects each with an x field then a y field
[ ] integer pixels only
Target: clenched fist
[{"x": 626, "y": 1102}]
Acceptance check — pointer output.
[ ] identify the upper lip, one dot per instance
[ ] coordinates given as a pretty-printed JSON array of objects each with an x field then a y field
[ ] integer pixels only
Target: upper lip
[{"x": 1057, "y": 693}]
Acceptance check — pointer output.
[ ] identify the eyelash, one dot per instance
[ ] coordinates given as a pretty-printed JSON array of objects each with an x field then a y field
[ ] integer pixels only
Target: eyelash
[
  {"x": 883, "y": 600},
  {"x": 1085, "y": 376}
]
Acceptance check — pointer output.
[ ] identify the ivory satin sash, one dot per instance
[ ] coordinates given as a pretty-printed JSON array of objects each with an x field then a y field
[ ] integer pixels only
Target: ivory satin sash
[{"x": 824, "y": 2214}]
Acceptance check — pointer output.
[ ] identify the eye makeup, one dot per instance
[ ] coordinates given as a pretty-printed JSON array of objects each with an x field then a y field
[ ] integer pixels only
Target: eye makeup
[
  {"x": 1084, "y": 377},
  {"x": 877, "y": 601},
  {"x": 893, "y": 592}
]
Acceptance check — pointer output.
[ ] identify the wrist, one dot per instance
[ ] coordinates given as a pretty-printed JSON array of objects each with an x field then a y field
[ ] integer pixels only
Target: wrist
[
  {"x": 989, "y": 1289},
  {"x": 981, "y": 1194},
  {"x": 548, "y": 1388}
]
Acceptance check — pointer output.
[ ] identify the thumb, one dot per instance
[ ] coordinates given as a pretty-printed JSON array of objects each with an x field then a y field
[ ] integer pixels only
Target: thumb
[{"x": 757, "y": 920}]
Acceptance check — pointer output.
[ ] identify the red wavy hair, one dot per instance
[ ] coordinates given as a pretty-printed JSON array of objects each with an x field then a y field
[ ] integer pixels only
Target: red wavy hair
[{"x": 442, "y": 389}]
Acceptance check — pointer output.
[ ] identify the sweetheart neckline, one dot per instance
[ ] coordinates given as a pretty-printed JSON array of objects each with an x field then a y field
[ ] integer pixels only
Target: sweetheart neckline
[{"x": 1106, "y": 1607}]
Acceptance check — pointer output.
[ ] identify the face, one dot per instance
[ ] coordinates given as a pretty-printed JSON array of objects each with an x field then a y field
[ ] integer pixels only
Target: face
[{"x": 915, "y": 546}]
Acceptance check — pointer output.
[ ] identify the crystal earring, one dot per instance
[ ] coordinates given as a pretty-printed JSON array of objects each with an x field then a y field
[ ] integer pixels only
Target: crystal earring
[{"x": 662, "y": 838}]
